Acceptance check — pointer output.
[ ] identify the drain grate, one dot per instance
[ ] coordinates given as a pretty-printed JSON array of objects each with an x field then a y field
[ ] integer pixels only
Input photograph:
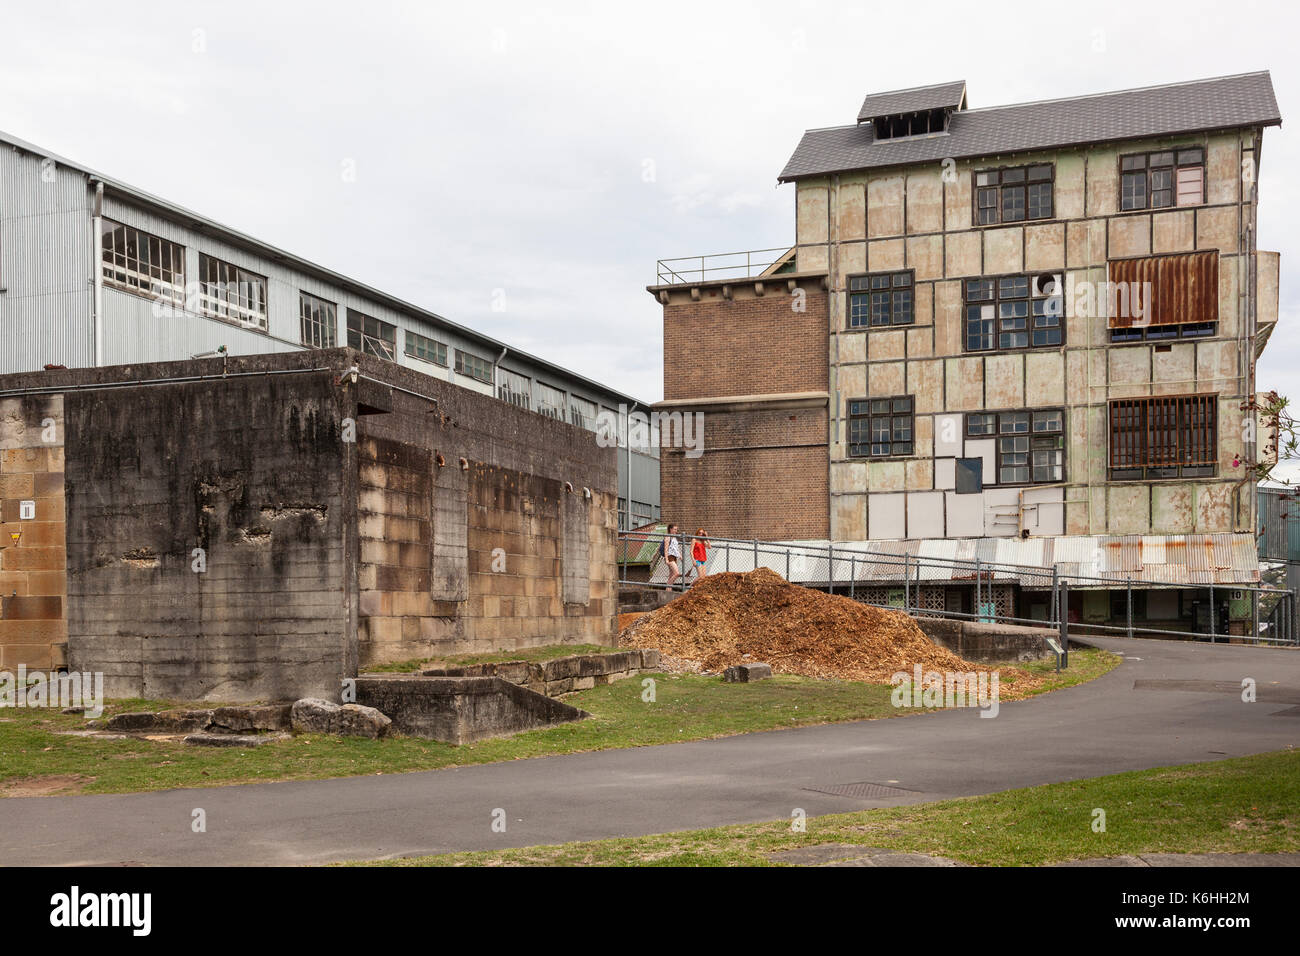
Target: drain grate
[{"x": 863, "y": 791}]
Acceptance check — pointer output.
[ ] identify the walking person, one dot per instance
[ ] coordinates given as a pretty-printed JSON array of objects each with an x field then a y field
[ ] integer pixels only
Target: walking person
[
  {"x": 671, "y": 549},
  {"x": 700, "y": 553}
]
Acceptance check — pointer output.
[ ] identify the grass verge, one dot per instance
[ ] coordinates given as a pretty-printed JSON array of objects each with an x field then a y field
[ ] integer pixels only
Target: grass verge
[
  {"x": 1241, "y": 805},
  {"x": 686, "y": 707},
  {"x": 532, "y": 654}
]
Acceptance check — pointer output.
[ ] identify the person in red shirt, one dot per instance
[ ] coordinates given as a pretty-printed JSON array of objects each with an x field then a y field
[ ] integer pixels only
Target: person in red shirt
[{"x": 700, "y": 553}]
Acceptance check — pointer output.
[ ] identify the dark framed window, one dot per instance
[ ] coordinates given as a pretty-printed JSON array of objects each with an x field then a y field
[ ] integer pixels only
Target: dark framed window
[
  {"x": 139, "y": 262},
  {"x": 1173, "y": 177},
  {"x": 319, "y": 318},
  {"x": 1163, "y": 437},
  {"x": 881, "y": 299},
  {"x": 425, "y": 348},
  {"x": 1014, "y": 312},
  {"x": 1030, "y": 444},
  {"x": 1185, "y": 330},
  {"x": 228, "y": 292},
  {"x": 881, "y": 427},
  {"x": 969, "y": 476},
  {"x": 371, "y": 336},
  {"x": 1014, "y": 194},
  {"x": 479, "y": 369}
]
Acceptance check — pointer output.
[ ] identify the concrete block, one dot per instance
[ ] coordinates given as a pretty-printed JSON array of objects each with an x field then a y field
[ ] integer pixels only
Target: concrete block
[
  {"x": 746, "y": 673},
  {"x": 885, "y": 207}
]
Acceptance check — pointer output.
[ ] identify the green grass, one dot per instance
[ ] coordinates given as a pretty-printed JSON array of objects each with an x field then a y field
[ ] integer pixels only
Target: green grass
[
  {"x": 1242, "y": 805},
  {"x": 531, "y": 654},
  {"x": 687, "y": 707}
]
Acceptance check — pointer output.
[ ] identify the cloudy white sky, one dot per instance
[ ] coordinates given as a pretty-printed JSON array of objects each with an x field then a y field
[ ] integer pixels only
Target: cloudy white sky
[{"x": 557, "y": 150}]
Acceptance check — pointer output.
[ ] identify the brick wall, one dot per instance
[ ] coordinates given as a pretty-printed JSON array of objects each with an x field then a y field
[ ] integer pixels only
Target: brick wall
[
  {"x": 33, "y": 625},
  {"x": 746, "y": 345},
  {"x": 763, "y": 472},
  {"x": 762, "y": 475}
]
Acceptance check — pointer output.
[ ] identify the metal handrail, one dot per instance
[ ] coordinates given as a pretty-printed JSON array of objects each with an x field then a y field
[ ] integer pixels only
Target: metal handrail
[
  {"x": 674, "y": 271},
  {"x": 870, "y": 568}
]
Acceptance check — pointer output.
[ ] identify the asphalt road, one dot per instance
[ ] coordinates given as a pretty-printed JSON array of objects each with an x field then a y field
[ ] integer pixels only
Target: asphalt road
[{"x": 1168, "y": 703}]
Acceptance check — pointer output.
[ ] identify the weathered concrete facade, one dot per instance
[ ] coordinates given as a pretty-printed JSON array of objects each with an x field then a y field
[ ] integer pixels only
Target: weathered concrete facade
[
  {"x": 257, "y": 527},
  {"x": 920, "y": 219}
]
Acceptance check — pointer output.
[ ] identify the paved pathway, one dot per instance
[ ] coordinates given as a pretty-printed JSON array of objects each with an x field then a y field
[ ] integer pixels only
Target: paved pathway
[{"x": 1168, "y": 703}]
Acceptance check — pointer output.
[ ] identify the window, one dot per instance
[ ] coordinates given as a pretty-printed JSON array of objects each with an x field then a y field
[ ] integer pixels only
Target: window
[
  {"x": 1014, "y": 194},
  {"x": 228, "y": 292},
  {"x": 514, "y": 388},
  {"x": 1030, "y": 444},
  {"x": 138, "y": 262},
  {"x": 969, "y": 474},
  {"x": 371, "y": 336},
  {"x": 1175, "y": 177},
  {"x": 423, "y": 347},
  {"x": 880, "y": 427},
  {"x": 550, "y": 401},
  {"x": 479, "y": 369},
  {"x": 882, "y": 299},
  {"x": 582, "y": 413},
  {"x": 1014, "y": 312},
  {"x": 1163, "y": 437},
  {"x": 319, "y": 321}
]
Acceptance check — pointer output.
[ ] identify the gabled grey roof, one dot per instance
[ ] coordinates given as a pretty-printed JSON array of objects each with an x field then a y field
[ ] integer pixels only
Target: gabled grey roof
[
  {"x": 1224, "y": 102},
  {"x": 917, "y": 99}
]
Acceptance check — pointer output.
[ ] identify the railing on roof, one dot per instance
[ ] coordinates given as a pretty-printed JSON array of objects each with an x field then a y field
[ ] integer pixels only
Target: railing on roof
[
  {"x": 854, "y": 567},
  {"x": 723, "y": 265}
]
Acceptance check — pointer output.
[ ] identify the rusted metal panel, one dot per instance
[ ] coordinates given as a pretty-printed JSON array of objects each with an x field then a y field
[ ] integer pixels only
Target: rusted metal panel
[
  {"x": 1183, "y": 288},
  {"x": 1153, "y": 549}
]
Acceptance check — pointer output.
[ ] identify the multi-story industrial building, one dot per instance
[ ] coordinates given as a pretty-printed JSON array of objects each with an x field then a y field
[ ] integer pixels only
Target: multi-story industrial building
[
  {"x": 94, "y": 272},
  {"x": 1025, "y": 332}
]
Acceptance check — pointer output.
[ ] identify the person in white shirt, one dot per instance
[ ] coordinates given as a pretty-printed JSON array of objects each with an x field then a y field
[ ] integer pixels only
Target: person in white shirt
[{"x": 672, "y": 549}]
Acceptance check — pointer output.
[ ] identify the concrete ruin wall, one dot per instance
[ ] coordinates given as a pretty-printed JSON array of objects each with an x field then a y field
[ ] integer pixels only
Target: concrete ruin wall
[
  {"x": 502, "y": 551},
  {"x": 394, "y": 517},
  {"x": 251, "y": 471}
]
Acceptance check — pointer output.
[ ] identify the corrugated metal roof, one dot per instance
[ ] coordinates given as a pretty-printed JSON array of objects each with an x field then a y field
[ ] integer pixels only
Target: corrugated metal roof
[
  {"x": 915, "y": 100},
  {"x": 1224, "y": 102}
]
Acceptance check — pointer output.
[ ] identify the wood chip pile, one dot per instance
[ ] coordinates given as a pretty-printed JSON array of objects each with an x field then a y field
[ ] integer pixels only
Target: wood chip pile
[{"x": 759, "y": 616}]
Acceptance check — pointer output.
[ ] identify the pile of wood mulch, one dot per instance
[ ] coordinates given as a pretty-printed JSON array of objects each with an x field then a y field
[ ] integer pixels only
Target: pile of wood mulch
[{"x": 729, "y": 618}]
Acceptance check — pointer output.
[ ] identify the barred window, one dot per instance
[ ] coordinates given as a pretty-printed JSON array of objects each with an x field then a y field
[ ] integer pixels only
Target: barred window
[
  {"x": 1014, "y": 194},
  {"x": 514, "y": 388},
  {"x": 1163, "y": 437},
  {"x": 228, "y": 292},
  {"x": 371, "y": 336},
  {"x": 582, "y": 413},
  {"x": 880, "y": 427},
  {"x": 881, "y": 299},
  {"x": 139, "y": 262},
  {"x": 422, "y": 347},
  {"x": 1014, "y": 312},
  {"x": 1157, "y": 180},
  {"x": 479, "y": 369},
  {"x": 319, "y": 319},
  {"x": 550, "y": 401}
]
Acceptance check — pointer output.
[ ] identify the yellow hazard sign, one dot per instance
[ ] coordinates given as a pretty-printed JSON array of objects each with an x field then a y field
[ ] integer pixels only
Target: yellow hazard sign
[{"x": 15, "y": 535}]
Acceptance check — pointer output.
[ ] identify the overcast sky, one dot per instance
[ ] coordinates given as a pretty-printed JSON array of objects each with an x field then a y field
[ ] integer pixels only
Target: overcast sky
[{"x": 555, "y": 151}]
